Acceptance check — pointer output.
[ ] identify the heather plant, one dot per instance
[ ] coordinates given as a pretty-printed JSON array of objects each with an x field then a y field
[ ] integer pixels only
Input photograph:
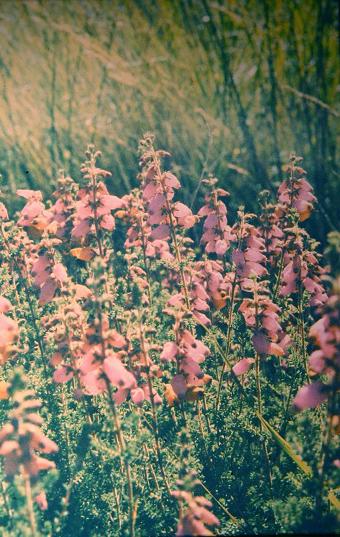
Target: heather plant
[{"x": 185, "y": 365}]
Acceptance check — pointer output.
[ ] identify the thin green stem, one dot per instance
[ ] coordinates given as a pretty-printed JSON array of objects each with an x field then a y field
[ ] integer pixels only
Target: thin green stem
[
  {"x": 229, "y": 338},
  {"x": 29, "y": 504}
]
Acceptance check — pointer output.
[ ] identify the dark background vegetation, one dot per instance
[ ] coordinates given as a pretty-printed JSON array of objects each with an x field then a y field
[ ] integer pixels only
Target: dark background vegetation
[{"x": 228, "y": 87}]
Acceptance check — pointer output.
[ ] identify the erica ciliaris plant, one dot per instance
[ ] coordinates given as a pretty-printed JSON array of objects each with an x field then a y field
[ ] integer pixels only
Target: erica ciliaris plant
[{"x": 186, "y": 387}]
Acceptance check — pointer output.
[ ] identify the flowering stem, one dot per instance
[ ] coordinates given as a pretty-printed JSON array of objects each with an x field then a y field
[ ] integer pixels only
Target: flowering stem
[
  {"x": 29, "y": 298},
  {"x": 7, "y": 508},
  {"x": 259, "y": 406},
  {"x": 98, "y": 239},
  {"x": 122, "y": 449},
  {"x": 229, "y": 333},
  {"x": 173, "y": 232},
  {"x": 303, "y": 336},
  {"x": 278, "y": 280},
  {"x": 146, "y": 264},
  {"x": 118, "y": 430},
  {"x": 29, "y": 504},
  {"x": 154, "y": 413},
  {"x": 325, "y": 449}
]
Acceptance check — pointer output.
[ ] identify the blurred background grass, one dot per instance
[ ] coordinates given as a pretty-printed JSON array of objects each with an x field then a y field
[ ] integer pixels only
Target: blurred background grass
[{"x": 228, "y": 87}]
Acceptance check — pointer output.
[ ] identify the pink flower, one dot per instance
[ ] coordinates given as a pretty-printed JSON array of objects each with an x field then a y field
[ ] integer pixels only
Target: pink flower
[
  {"x": 41, "y": 500},
  {"x": 216, "y": 232},
  {"x": 169, "y": 352},
  {"x": 297, "y": 192},
  {"x": 9, "y": 331},
  {"x": 242, "y": 366},
  {"x": 310, "y": 396},
  {"x": 161, "y": 232},
  {"x": 62, "y": 374},
  {"x": 118, "y": 375},
  {"x": 137, "y": 396},
  {"x": 5, "y": 305},
  {"x": 179, "y": 385},
  {"x": 3, "y": 212},
  {"x": 194, "y": 514},
  {"x": 20, "y": 438}
]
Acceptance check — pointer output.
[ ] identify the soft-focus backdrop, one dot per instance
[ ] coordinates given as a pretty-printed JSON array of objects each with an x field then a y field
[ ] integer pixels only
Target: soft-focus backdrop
[{"x": 228, "y": 87}]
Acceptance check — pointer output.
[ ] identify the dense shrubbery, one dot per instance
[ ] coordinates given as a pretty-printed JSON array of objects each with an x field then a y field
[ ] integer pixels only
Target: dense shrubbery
[{"x": 185, "y": 366}]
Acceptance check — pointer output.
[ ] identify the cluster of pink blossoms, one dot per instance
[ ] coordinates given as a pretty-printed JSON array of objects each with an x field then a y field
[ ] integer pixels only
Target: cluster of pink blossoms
[
  {"x": 139, "y": 231},
  {"x": 217, "y": 282},
  {"x": 195, "y": 517},
  {"x": 8, "y": 330},
  {"x": 48, "y": 275},
  {"x": 22, "y": 437},
  {"x": 62, "y": 211},
  {"x": 301, "y": 268},
  {"x": 325, "y": 360},
  {"x": 248, "y": 256},
  {"x": 34, "y": 214},
  {"x": 216, "y": 232},
  {"x": 194, "y": 513},
  {"x": 158, "y": 192},
  {"x": 187, "y": 353},
  {"x": 95, "y": 204},
  {"x": 261, "y": 315},
  {"x": 296, "y": 192}
]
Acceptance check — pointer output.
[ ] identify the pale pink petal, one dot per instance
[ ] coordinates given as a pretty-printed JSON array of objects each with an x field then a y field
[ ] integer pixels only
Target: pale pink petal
[
  {"x": 81, "y": 229},
  {"x": 179, "y": 385},
  {"x": 243, "y": 366},
  {"x": 161, "y": 232},
  {"x": 62, "y": 375},
  {"x": 47, "y": 291},
  {"x": 118, "y": 374},
  {"x": 3, "y": 212},
  {"x": 169, "y": 352},
  {"x": 5, "y": 305},
  {"x": 310, "y": 396},
  {"x": 59, "y": 272},
  {"x": 107, "y": 222},
  {"x": 120, "y": 396},
  {"x": 137, "y": 396},
  {"x": 260, "y": 342},
  {"x": 221, "y": 247},
  {"x": 111, "y": 202}
]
